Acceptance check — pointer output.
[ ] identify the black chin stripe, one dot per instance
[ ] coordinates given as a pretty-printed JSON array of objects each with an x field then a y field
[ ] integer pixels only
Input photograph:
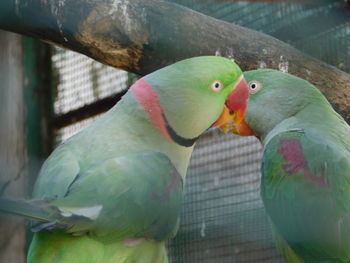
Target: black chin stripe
[{"x": 186, "y": 142}]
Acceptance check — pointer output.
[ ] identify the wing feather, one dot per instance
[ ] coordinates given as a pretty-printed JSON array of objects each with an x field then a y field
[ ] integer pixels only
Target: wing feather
[{"x": 306, "y": 191}]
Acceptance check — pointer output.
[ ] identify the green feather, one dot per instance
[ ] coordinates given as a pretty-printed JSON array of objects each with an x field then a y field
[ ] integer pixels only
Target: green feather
[
  {"x": 59, "y": 247},
  {"x": 306, "y": 167},
  {"x": 116, "y": 187}
]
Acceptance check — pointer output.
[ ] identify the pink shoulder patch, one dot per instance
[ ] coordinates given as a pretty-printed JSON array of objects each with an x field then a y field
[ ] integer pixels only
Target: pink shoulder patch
[
  {"x": 148, "y": 98},
  {"x": 174, "y": 185},
  {"x": 293, "y": 153}
]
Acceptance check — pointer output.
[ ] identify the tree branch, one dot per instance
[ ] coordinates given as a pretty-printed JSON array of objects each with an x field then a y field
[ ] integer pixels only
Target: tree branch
[{"x": 141, "y": 36}]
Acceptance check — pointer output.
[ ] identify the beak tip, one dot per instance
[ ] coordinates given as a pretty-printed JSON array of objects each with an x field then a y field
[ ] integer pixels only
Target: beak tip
[
  {"x": 239, "y": 116},
  {"x": 237, "y": 103}
]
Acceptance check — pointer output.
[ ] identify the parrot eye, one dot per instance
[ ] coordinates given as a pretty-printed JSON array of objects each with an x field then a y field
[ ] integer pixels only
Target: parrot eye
[
  {"x": 216, "y": 86},
  {"x": 254, "y": 86}
]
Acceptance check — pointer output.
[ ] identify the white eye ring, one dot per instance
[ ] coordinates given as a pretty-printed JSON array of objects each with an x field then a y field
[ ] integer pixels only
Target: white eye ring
[
  {"x": 216, "y": 86},
  {"x": 254, "y": 86}
]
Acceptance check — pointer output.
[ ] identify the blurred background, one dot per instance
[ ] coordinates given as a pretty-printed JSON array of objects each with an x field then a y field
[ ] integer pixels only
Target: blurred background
[{"x": 48, "y": 94}]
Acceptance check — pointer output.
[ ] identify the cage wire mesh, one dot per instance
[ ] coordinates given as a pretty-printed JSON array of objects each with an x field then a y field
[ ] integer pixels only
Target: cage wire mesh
[
  {"x": 320, "y": 28},
  {"x": 222, "y": 219},
  {"x": 81, "y": 81},
  {"x": 68, "y": 131}
]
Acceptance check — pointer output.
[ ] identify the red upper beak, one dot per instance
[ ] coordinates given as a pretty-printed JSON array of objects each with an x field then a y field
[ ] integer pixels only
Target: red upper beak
[
  {"x": 235, "y": 106},
  {"x": 237, "y": 101}
]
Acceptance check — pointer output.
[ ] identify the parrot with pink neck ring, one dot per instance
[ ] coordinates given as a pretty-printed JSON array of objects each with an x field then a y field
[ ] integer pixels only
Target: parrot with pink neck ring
[{"x": 112, "y": 192}]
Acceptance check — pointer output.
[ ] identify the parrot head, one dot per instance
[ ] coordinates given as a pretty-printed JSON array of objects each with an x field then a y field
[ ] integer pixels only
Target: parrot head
[
  {"x": 274, "y": 97},
  {"x": 188, "y": 97}
]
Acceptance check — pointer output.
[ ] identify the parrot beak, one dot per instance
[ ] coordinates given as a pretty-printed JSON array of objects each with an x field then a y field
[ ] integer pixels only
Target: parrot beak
[
  {"x": 243, "y": 129},
  {"x": 235, "y": 107}
]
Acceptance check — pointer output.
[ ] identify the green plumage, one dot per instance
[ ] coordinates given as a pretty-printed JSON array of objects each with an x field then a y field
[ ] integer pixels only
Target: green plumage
[
  {"x": 305, "y": 169},
  {"x": 112, "y": 193}
]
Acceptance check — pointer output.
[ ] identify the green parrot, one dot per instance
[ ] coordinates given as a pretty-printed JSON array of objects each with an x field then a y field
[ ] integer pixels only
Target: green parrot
[
  {"x": 305, "y": 183},
  {"x": 112, "y": 193}
]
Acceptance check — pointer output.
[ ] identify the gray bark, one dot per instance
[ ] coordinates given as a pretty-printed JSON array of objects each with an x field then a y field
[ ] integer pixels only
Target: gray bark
[{"x": 141, "y": 36}]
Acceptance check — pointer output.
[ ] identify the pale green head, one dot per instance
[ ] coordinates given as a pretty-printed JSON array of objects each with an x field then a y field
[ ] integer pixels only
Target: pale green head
[
  {"x": 274, "y": 97},
  {"x": 194, "y": 93}
]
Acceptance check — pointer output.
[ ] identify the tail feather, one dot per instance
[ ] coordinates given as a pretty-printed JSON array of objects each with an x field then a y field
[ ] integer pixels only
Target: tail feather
[
  {"x": 28, "y": 209},
  {"x": 283, "y": 247},
  {"x": 43, "y": 215}
]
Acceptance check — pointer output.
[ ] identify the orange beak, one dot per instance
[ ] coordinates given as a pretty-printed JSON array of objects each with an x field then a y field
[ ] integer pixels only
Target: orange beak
[
  {"x": 243, "y": 129},
  {"x": 235, "y": 107}
]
